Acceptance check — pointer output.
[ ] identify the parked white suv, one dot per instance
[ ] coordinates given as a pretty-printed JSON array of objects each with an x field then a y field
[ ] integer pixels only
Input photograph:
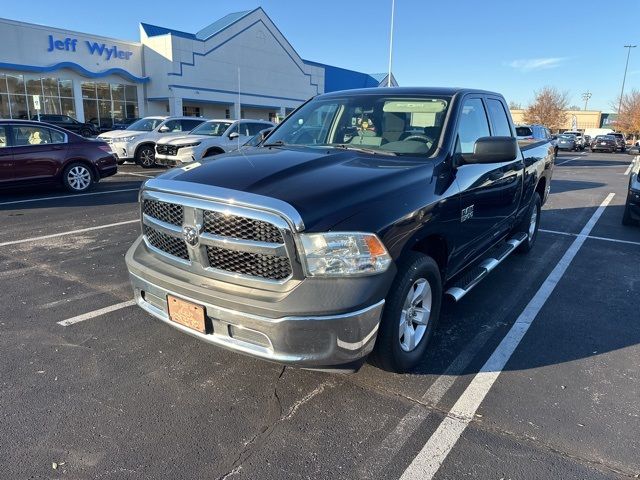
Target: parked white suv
[
  {"x": 210, "y": 138},
  {"x": 138, "y": 141}
]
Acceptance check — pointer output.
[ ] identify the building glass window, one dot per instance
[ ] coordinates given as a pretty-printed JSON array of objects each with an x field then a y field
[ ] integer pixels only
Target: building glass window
[
  {"x": 105, "y": 102},
  {"x": 56, "y": 96}
]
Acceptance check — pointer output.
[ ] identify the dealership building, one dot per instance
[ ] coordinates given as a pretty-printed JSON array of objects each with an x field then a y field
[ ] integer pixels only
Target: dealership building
[{"x": 240, "y": 66}]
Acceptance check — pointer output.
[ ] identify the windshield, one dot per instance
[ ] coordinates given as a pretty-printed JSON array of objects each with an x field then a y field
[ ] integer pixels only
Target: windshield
[
  {"x": 568, "y": 137},
  {"x": 145, "y": 124},
  {"x": 214, "y": 129},
  {"x": 385, "y": 124}
]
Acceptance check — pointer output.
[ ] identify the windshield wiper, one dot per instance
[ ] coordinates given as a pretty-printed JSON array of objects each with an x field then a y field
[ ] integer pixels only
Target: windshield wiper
[
  {"x": 373, "y": 151},
  {"x": 277, "y": 143}
]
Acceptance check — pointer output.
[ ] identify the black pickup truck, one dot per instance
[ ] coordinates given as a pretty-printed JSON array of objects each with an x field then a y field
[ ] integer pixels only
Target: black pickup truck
[{"x": 339, "y": 236}]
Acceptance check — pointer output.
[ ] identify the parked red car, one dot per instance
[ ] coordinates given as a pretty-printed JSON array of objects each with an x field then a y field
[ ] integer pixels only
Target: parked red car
[{"x": 35, "y": 153}]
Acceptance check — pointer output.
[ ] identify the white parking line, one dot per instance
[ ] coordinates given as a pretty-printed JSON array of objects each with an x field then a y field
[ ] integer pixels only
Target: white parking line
[
  {"x": 428, "y": 461},
  {"x": 592, "y": 237},
  {"x": 70, "y": 232},
  {"x": 134, "y": 174},
  {"x": 95, "y": 313},
  {"x": 75, "y": 195},
  {"x": 566, "y": 161}
]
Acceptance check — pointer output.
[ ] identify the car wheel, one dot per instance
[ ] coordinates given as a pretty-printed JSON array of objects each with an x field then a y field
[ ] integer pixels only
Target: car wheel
[
  {"x": 77, "y": 178},
  {"x": 410, "y": 315},
  {"x": 85, "y": 132},
  {"x": 530, "y": 224},
  {"x": 626, "y": 216},
  {"x": 146, "y": 156}
]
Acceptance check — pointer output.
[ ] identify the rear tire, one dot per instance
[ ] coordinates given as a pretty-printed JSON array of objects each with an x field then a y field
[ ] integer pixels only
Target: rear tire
[
  {"x": 530, "y": 224},
  {"x": 77, "y": 177},
  {"x": 410, "y": 315},
  {"x": 146, "y": 156}
]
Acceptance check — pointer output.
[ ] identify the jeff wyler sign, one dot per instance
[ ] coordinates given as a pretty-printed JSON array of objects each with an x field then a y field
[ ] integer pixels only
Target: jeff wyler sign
[{"x": 94, "y": 48}]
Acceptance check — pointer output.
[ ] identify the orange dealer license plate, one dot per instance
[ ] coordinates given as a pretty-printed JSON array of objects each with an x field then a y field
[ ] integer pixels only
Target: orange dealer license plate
[{"x": 186, "y": 313}]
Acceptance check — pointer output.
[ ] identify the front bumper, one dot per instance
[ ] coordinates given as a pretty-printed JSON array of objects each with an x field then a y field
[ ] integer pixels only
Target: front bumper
[
  {"x": 267, "y": 326},
  {"x": 183, "y": 156},
  {"x": 122, "y": 150}
]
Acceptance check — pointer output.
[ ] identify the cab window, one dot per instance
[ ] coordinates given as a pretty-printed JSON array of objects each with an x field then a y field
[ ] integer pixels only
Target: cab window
[
  {"x": 499, "y": 119},
  {"x": 473, "y": 125}
]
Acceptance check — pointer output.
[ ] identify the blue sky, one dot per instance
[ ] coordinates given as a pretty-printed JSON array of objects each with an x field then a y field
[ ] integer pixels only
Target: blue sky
[{"x": 514, "y": 47}]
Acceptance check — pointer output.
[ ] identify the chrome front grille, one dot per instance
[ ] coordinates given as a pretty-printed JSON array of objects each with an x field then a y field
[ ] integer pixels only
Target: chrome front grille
[
  {"x": 167, "y": 243},
  {"x": 165, "y": 149},
  {"x": 167, "y": 212},
  {"x": 237, "y": 243},
  {"x": 253, "y": 264},
  {"x": 244, "y": 228}
]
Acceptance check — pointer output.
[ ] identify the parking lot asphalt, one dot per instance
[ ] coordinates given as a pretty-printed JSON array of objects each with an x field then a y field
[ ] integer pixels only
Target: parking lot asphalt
[{"x": 116, "y": 394}]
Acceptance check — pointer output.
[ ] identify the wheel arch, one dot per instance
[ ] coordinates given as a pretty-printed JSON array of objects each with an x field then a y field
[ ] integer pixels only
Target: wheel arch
[
  {"x": 145, "y": 144},
  {"x": 216, "y": 150},
  {"x": 85, "y": 162},
  {"x": 435, "y": 246}
]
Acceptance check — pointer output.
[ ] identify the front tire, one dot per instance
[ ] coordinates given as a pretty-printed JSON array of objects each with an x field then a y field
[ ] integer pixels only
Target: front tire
[
  {"x": 530, "y": 224},
  {"x": 146, "y": 156},
  {"x": 77, "y": 177},
  {"x": 410, "y": 315}
]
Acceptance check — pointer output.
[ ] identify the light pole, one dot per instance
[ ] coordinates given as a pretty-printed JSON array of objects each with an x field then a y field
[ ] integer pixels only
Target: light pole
[
  {"x": 393, "y": 9},
  {"x": 586, "y": 96},
  {"x": 624, "y": 78}
]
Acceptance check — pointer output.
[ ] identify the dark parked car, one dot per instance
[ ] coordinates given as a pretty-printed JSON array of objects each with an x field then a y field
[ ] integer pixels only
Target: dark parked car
[
  {"x": 567, "y": 142},
  {"x": 621, "y": 142},
  {"x": 604, "y": 143},
  {"x": 631, "y": 213},
  {"x": 69, "y": 123},
  {"x": 35, "y": 153}
]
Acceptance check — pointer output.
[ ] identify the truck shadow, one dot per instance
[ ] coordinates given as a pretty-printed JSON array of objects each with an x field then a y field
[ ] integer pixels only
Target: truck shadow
[
  {"x": 577, "y": 321},
  {"x": 560, "y": 186}
]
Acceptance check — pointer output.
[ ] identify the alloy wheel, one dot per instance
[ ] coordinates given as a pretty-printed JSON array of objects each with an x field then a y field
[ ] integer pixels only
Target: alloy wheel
[
  {"x": 415, "y": 315},
  {"x": 79, "y": 178}
]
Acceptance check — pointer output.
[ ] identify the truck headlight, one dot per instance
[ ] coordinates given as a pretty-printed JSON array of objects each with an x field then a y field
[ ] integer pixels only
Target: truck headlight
[
  {"x": 343, "y": 254},
  {"x": 127, "y": 139}
]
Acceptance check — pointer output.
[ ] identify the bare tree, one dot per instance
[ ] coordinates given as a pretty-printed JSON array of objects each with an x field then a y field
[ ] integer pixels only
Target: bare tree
[
  {"x": 515, "y": 105},
  {"x": 548, "y": 108},
  {"x": 628, "y": 120},
  {"x": 574, "y": 108}
]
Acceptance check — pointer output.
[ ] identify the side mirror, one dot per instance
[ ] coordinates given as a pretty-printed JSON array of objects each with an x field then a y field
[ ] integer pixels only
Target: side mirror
[
  {"x": 233, "y": 135},
  {"x": 163, "y": 129},
  {"x": 493, "y": 150}
]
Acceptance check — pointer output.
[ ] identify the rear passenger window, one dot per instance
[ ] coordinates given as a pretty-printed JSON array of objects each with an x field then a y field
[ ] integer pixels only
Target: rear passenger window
[
  {"x": 4, "y": 139},
  {"x": 27, "y": 135},
  {"x": 499, "y": 119},
  {"x": 473, "y": 125},
  {"x": 57, "y": 137}
]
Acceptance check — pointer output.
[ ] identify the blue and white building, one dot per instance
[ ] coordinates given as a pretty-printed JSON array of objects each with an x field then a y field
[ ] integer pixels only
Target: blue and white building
[{"x": 239, "y": 66}]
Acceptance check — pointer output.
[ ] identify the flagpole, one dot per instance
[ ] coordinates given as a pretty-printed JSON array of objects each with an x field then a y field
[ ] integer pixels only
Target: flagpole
[{"x": 393, "y": 8}]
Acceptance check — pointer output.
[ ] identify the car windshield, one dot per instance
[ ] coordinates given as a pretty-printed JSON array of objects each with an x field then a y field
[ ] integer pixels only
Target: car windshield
[
  {"x": 384, "y": 124},
  {"x": 214, "y": 129},
  {"x": 145, "y": 124},
  {"x": 568, "y": 137}
]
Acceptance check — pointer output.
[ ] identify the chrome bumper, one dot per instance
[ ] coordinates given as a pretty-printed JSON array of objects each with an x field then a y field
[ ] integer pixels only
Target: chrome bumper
[{"x": 305, "y": 341}]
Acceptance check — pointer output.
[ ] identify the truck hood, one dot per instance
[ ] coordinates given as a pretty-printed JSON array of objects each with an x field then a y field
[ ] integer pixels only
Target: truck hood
[
  {"x": 184, "y": 139},
  {"x": 325, "y": 186}
]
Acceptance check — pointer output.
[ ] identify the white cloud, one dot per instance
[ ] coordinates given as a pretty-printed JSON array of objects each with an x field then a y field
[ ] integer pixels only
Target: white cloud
[{"x": 532, "y": 64}]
